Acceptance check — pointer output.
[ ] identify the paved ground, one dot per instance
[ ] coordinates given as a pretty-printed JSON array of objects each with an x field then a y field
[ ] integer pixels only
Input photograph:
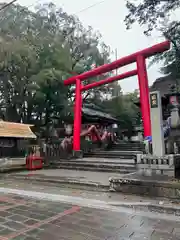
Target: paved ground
[
  {"x": 81, "y": 176},
  {"x": 23, "y": 218},
  {"x": 87, "y": 194}
]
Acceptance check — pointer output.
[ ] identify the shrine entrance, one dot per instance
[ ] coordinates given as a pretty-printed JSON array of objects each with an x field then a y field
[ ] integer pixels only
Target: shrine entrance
[{"x": 140, "y": 59}]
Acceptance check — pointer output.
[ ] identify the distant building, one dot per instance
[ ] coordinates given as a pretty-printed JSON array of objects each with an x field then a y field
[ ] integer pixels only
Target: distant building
[{"x": 163, "y": 84}]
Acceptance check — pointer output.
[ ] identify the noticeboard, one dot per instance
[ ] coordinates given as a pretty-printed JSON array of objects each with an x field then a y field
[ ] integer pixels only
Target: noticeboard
[{"x": 154, "y": 100}]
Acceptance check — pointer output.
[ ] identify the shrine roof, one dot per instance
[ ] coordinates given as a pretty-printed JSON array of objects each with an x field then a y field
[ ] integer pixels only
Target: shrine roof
[
  {"x": 16, "y": 130},
  {"x": 97, "y": 113}
]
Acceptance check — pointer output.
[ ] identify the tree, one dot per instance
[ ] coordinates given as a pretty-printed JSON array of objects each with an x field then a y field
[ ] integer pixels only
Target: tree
[
  {"x": 17, "y": 62},
  {"x": 150, "y": 13},
  {"x": 124, "y": 108},
  {"x": 38, "y": 51},
  {"x": 171, "y": 58},
  {"x": 156, "y": 15}
]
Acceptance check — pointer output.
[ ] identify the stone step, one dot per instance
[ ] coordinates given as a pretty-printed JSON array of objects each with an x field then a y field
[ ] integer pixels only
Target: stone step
[
  {"x": 108, "y": 156},
  {"x": 114, "y": 154},
  {"x": 129, "y": 143},
  {"x": 120, "y": 152},
  {"x": 89, "y": 155},
  {"x": 124, "y": 147},
  {"x": 98, "y": 165},
  {"x": 96, "y": 169},
  {"x": 127, "y": 147},
  {"x": 100, "y": 161}
]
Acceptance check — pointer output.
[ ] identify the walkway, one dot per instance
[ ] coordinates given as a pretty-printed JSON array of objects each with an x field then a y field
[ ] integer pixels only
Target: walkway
[
  {"x": 99, "y": 178},
  {"x": 23, "y": 218}
]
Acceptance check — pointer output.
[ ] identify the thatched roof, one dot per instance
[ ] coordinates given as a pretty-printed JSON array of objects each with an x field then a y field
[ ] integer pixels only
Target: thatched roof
[{"x": 16, "y": 130}]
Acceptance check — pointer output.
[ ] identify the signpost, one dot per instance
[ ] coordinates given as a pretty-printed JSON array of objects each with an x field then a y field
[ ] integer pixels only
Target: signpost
[{"x": 157, "y": 124}]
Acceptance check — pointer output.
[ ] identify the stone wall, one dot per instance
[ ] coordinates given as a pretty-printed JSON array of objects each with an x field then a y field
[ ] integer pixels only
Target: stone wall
[
  {"x": 166, "y": 188},
  {"x": 12, "y": 163}
]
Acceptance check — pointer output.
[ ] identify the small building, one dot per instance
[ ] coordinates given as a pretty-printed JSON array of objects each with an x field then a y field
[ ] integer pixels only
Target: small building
[
  {"x": 14, "y": 141},
  {"x": 163, "y": 85}
]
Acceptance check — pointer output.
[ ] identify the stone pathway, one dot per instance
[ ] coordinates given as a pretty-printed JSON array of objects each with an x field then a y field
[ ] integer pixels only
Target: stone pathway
[
  {"x": 23, "y": 218},
  {"x": 99, "y": 178},
  {"x": 98, "y": 195}
]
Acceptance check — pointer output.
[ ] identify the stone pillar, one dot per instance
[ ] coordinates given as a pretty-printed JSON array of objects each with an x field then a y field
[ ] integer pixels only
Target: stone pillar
[{"x": 157, "y": 124}]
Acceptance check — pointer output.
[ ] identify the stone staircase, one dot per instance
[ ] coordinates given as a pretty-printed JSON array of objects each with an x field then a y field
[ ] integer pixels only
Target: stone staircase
[
  {"x": 129, "y": 146},
  {"x": 115, "y": 154},
  {"x": 99, "y": 165},
  {"x": 121, "y": 158}
]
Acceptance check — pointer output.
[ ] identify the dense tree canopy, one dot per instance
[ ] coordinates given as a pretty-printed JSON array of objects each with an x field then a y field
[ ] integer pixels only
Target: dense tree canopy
[{"x": 39, "y": 50}]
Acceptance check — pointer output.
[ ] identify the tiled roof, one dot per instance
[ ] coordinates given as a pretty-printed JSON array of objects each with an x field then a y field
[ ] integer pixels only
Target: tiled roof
[
  {"x": 97, "y": 113},
  {"x": 16, "y": 130}
]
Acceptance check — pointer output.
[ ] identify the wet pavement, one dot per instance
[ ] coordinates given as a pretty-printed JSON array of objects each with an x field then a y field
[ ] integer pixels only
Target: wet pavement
[
  {"x": 65, "y": 190},
  {"x": 23, "y": 218},
  {"x": 99, "y": 178},
  {"x": 73, "y": 191}
]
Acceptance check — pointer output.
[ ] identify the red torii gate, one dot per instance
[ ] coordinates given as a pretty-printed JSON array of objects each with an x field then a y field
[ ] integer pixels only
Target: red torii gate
[{"x": 138, "y": 57}]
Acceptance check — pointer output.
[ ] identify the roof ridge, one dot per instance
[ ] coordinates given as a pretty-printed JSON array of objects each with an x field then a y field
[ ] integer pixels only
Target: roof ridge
[{"x": 15, "y": 123}]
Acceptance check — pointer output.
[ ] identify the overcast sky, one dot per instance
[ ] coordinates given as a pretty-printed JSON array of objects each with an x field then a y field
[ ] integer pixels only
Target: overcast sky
[{"x": 107, "y": 17}]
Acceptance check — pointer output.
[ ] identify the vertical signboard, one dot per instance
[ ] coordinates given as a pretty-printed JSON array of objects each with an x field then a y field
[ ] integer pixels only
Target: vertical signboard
[
  {"x": 154, "y": 100},
  {"x": 157, "y": 124}
]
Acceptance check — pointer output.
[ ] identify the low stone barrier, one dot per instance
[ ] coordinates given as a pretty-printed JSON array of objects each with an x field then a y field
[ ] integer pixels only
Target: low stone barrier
[
  {"x": 168, "y": 165},
  {"x": 12, "y": 163},
  {"x": 155, "y": 176},
  {"x": 166, "y": 188}
]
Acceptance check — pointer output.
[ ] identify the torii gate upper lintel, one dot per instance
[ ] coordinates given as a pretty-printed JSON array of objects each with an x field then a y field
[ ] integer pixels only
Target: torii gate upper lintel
[{"x": 140, "y": 59}]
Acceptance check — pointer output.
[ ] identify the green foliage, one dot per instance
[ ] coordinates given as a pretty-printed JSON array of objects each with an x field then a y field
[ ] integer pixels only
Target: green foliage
[
  {"x": 156, "y": 14},
  {"x": 149, "y": 13},
  {"x": 39, "y": 50},
  {"x": 124, "y": 108},
  {"x": 171, "y": 58}
]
